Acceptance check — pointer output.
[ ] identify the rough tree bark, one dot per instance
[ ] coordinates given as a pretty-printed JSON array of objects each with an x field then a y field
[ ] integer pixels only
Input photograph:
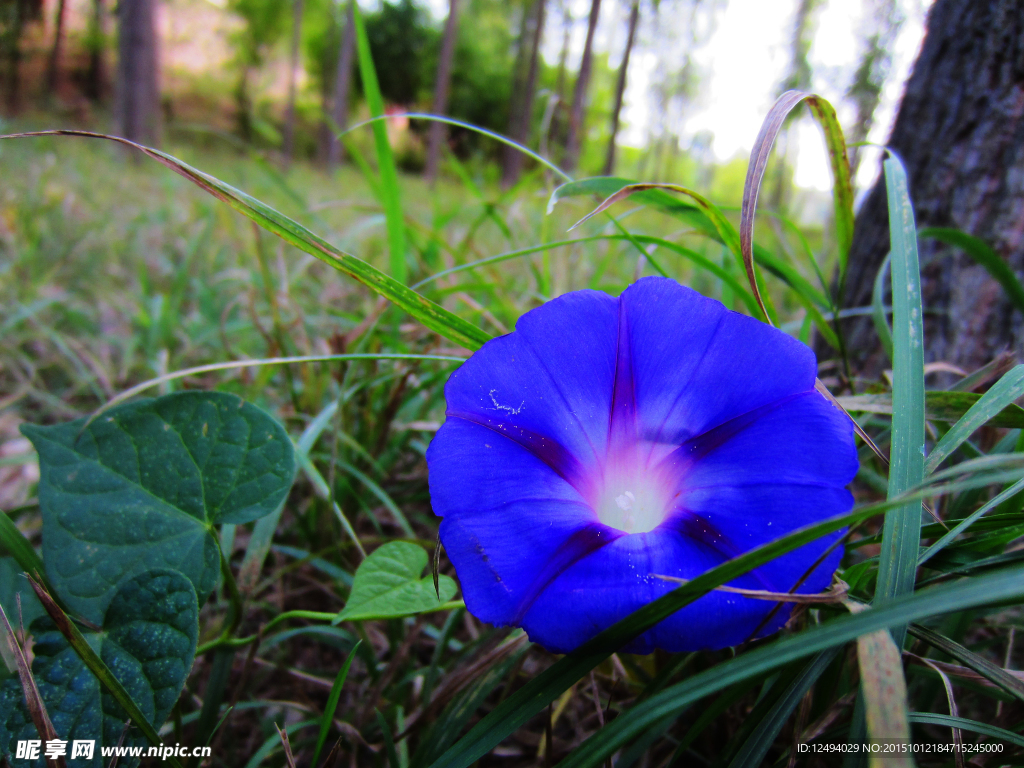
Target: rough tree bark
[
  {"x": 960, "y": 132},
  {"x": 439, "y": 131},
  {"x": 342, "y": 83},
  {"x": 620, "y": 88},
  {"x": 298, "y": 6},
  {"x": 579, "y": 93},
  {"x": 137, "y": 108},
  {"x": 522, "y": 112}
]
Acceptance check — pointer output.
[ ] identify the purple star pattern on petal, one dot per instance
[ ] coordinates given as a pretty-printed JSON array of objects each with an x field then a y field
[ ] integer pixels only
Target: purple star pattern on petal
[{"x": 608, "y": 441}]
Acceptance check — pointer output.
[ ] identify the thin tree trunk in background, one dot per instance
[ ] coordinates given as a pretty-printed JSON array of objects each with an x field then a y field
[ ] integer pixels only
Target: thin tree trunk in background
[
  {"x": 95, "y": 79},
  {"x": 960, "y": 133},
  {"x": 13, "y": 54},
  {"x": 519, "y": 66},
  {"x": 293, "y": 73},
  {"x": 439, "y": 131},
  {"x": 137, "y": 110},
  {"x": 342, "y": 82},
  {"x": 798, "y": 78},
  {"x": 866, "y": 90},
  {"x": 563, "y": 56},
  {"x": 53, "y": 65},
  {"x": 620, "y": 88},
  {"x": 579, "y": 93},
  {"x": 520, "y": 127},
  {"x": 243, "y": 105},
  {"x": 556, "y": 130}
]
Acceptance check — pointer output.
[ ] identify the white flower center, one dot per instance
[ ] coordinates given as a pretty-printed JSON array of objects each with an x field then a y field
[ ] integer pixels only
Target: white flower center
[{"x": 632, "y": 501}]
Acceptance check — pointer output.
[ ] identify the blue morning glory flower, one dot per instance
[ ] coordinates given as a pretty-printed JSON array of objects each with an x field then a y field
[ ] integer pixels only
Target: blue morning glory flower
[{"x": 611, "y": 440}]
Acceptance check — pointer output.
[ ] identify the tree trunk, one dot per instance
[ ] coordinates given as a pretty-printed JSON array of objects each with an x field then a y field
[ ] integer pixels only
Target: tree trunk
[
  {"x": 12, "y": 44},
  {"x": 523, "y": 113},
  {"x": 519, "y": 65},
  {"x": 137, "y": 111},
  {"x": 564, "y": 52},
  {"x": 95, "y": 78},
  {"x": 960, "y": 132},
  {"x": 579, "y": 93},
  {"x": 243, "y": 105},
  {"x": 342, "y": 83},
  {"x": 797, "y": 78},
  {"x": 866, "y": 89},
  {"x": 620, "y": 89},
  {"x": 293, "y": 73},
  {"x": 439, "y": 131},
  {"x": 53, "y": 65}
]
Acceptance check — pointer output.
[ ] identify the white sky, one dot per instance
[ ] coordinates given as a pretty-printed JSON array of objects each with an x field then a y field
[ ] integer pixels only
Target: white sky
[{"x": 745, "y": 58}]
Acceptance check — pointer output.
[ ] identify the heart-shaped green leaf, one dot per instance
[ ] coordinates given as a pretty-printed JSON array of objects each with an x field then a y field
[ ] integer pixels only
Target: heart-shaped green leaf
[
  {"x": 142, "y": 486},
  {"x": 148, "y": 642},
  {"x": 388, "y": 585}
]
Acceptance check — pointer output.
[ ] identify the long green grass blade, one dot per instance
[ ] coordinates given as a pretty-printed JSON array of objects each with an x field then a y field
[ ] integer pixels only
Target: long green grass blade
[
  {"x": 720, "y": 225},
  {"x": 385, "y": 159},
  {"x": 257, "y": 549},
  {"x": 948, "y": 721},
  {"x": 17, "y": 546},
  {"x": 878, "y": 317},
  {"x": 968, "y": 521},
  {"x": 842, "y": 191},
  {"x": 606, "y": 186},
  {"x": 901, "y": 533},
  {"x": 232, "y": 364},
  {"x": 842, "y": 184},
  {"x": 709, "y": 221},
  {"x": 992, "y": 672},
  {"x": 323, "y": 490},
  {"x": 940, "y": 405},
  {"x": 716, "y": 226},
  {"x": 760, "y": 740},
  {"x": 273, "y": 743},
  {"x": 389, "y": 742},
  {"x": 1002, "y": 394},
  {"x": 332, "y": 704},
  {"x": 1003, "y": 586},
  {"x": 381, "y": 495},
  {"x": 540, "y": 159},
  {"x": 434, "y": 317},
  {"x": 707, "y": 716},
  {"x": 452, "y": 720},
  {"x": 688, "y": 253},
  {"x": 983, "y": 254},
  {"x": 316, "y": 427}
]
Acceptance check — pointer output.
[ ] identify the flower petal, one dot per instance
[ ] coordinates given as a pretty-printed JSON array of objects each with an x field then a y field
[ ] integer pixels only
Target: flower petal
[
  {"x": 548, "y": 386},
  {"x": 696, "y": 364},
  {"x": 614, "y": 581},
  {"x": 511, "y": 523},
  {"x": 799, "y": 439}
]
